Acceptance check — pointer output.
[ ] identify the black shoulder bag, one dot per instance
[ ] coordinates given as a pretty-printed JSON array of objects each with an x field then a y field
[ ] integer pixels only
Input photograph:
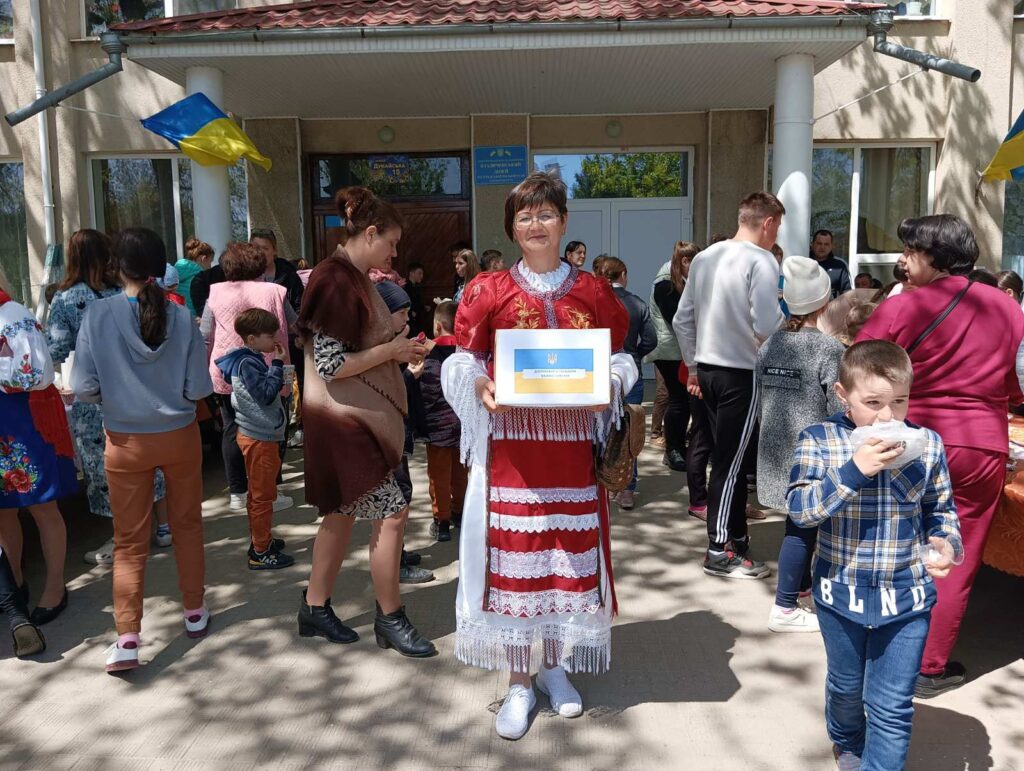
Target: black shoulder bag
[{"x": 939, "y": 319}]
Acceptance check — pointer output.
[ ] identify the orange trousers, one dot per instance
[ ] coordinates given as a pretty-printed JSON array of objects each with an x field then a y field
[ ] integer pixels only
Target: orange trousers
[
  {"x": 130, "y": 460},
  {"x": 448, "y": 480},
  {"x": 262, "y": 462}
]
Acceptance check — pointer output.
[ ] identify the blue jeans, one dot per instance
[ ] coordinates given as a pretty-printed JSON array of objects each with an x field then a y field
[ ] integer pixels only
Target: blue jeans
[
  {"x": 635, "y": 396},
  {"x": 872, "y": 670},
  {"x": 795, "y": 563}
]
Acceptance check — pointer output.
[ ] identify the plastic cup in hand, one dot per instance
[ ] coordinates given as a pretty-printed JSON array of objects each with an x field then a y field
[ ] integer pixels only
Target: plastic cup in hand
[
  {"x": 933, "y": 556},
  {"x": 289, "y": 373}
]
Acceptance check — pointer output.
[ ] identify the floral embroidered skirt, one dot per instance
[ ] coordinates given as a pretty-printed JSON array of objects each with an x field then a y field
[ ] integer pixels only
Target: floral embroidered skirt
[
  {"x": 535, "y": 578},
  {"x": 383, "y": 501},
  {"x": 31, "y": 471}
]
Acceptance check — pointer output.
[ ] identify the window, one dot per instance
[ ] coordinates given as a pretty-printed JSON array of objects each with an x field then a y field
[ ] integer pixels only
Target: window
[
  {"x": 101, "y": 14},
  {"x": 1013, "y": 227},
  {"x": 890, "y": 184},
  {"x": 1018, "y": 8},
  {"x": 397, "y": 177},
  {"x": 239, "y": 201},
  {"x": 13, "y": 238},
  {"x": 156, "y": 193},
  {"x": 893, "y": 186},
  {"x": 915, "y": 7},
  {"x": 6, "y": 20},
  {"x": 620, "y": 175}
]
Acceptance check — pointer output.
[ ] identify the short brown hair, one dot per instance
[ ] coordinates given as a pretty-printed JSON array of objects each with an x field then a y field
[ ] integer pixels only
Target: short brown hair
[
  {"x": 877, "y": 358},
  {"x": 610, "y": 268},
  {"x": 444, "y": 315},
  {"x": 242, "y": 262},
  {"x": 256, "y": 321},
  {"x": 536, "y": 190},
  {"x": 757, "y": 207}
]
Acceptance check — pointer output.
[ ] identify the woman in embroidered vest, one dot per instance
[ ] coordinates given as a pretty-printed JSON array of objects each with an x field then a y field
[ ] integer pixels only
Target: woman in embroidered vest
[
  {"x": 353, "y": 413},
  {"x": 37, "y": 465},
  {"x": 245, "y": 288},
  {"x": 90, "y": 276},
  {"x": 535, "y": 573}
]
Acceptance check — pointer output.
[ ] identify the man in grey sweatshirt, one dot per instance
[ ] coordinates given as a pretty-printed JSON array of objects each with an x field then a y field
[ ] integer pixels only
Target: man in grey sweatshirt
[{"x": 730, "y": 305}]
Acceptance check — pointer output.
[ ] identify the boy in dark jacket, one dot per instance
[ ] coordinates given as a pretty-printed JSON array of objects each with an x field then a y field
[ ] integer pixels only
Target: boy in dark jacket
[
  {"x": 262, "y": 420},
  {"x": 448, "y": 477}
]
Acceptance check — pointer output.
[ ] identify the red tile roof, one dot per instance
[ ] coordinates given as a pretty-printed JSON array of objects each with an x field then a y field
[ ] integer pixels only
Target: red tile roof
[{"x": 374, "y": 13}]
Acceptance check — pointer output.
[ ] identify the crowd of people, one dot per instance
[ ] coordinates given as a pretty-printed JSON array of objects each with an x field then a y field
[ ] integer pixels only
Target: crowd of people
[{"x": 873, "y": 417}]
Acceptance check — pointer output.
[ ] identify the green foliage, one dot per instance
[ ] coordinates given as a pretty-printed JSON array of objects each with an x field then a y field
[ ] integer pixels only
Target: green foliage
[{"x": 629, "y": 175}]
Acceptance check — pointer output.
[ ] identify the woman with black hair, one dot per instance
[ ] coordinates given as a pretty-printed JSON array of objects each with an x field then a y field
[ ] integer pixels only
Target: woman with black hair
[
  {"x": 575, "y": 254},
  {"x": 143, "y": 359},
  {"x": 89, "y": 277},
  {"x": 964, "y": 340}
]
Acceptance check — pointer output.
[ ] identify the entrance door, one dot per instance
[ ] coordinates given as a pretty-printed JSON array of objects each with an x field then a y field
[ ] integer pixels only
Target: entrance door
[
  {"x": 639, "y": 231},
  {"x": 430, "y": 190}
]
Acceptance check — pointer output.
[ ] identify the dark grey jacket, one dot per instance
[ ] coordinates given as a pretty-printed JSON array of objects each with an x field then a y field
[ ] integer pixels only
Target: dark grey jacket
[{"x": 642, "y": 337}]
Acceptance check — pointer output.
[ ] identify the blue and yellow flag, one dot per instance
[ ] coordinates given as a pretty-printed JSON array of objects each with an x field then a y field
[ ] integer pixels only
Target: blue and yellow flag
[
  {"x": 199, "y": 128},
  {"x": 1009, "y": 161}
]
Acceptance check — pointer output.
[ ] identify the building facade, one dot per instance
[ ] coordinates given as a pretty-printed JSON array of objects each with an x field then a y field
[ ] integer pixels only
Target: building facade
[{"x": 658, "y": 123}]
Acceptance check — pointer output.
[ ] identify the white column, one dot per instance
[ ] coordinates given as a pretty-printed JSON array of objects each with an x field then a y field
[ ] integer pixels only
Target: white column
[
  {"x": 792, "y": 153},
  {"x": 211, "y": 196}
]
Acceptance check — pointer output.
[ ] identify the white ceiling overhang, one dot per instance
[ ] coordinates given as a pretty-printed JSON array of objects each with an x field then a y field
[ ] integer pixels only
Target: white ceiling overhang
[{"x": 616, "y": 71}]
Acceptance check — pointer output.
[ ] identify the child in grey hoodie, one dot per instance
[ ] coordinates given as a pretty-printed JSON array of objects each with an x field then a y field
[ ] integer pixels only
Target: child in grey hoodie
[{"x": 262, "y": 420}]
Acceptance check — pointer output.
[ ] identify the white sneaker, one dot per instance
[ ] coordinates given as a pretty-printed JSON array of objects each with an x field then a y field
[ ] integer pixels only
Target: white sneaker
[
  {"x": 121, "y": 659},
  {"x": 565, "y": 700},
  {"x": 798, "y": 620},
  {"x": 162, "y": 541},
  {"x": 283, "y": 502},
  {"x": 104, "y": 555},
  {"x": 198, "y": 625},
  {"x": 238, "y": 501},
  {"x": 297, "y": 439},
  {"x": 514, "y": 715}
]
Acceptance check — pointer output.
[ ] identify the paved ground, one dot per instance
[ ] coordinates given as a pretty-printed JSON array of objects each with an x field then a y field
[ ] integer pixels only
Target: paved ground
[{"x": 697, "y": 680}]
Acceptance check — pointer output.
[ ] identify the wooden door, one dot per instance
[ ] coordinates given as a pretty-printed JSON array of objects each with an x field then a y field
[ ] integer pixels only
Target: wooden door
[{"x": 430, "y": 228}]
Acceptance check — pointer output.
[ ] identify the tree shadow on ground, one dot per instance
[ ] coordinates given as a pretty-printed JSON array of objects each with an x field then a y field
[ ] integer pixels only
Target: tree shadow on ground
[{"x": 944, "y": 739}]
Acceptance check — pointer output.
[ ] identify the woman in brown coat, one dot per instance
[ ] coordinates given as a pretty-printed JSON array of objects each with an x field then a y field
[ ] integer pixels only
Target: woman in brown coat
[{"x": 353, "y": 415}]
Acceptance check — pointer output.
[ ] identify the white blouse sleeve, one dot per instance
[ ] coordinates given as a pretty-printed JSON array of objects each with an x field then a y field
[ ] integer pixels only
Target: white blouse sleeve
[
  {"x": 25, "y": 363},
  {"x": 459, "y": 374}
]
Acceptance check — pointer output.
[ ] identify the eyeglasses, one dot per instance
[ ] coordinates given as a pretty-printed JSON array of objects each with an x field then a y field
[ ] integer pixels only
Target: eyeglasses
[{"x": 544, "y": 218}]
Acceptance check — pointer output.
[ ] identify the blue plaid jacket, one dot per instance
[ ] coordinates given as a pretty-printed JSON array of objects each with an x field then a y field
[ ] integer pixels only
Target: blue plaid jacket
[{"x": 873, "y": 530}]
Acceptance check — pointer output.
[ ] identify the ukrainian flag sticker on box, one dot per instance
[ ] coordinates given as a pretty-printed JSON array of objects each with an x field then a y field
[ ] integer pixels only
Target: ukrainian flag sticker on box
[{"x": 552, "y": 367}]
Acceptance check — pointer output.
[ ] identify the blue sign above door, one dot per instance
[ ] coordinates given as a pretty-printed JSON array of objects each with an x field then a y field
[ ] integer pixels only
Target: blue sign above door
[{"x": 502, "y": 165}]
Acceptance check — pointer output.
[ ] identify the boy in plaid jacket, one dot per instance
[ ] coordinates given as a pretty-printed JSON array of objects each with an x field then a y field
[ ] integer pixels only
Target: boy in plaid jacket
[{"x": 884, "y": 535}]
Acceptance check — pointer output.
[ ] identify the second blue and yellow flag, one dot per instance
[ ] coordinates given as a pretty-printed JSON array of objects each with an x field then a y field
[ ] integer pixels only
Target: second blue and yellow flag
[
  {"x": 202, "y": 131},
  {"x": 1009, "y": 160}
]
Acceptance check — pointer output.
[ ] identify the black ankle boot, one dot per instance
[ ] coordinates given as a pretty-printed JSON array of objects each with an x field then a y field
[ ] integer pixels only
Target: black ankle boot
[
  {"x": 28, "y": 639},
  {"x": 395, "y": 630},
  {"x": 320, "y": 621}
]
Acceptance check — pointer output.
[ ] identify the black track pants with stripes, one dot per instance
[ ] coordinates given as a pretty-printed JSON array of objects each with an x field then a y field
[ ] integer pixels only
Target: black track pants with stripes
[{"x": 731, "y": 398}]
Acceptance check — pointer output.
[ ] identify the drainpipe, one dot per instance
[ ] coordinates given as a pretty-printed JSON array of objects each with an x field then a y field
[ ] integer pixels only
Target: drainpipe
[
  {"x": 111, "y": 44},
  {"x": 882, "y": 22},
  {"x": 44, "y": 127},
  {"x": 46, "y": 171}
]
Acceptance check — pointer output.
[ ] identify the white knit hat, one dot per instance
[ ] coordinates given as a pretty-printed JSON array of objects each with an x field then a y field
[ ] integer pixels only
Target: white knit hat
[{"x": 807, "y": 287}]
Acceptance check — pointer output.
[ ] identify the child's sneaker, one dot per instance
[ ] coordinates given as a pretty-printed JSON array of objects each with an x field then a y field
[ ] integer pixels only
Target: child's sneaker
[
  {"x": 441, "y": 530},
  {"x": 122, "y": 659},
  {"x": 728, "y": 564},
  {"x": 271, "y": 559},
  {"x": 698, "y": 512},
  {"x": 792, "y": 620},
  {"x": 238, "y": 501},
  {"x": 283, "y": 502},
  {"x": 197, "y": 622},
  {"x": 163, "y": 536}
]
